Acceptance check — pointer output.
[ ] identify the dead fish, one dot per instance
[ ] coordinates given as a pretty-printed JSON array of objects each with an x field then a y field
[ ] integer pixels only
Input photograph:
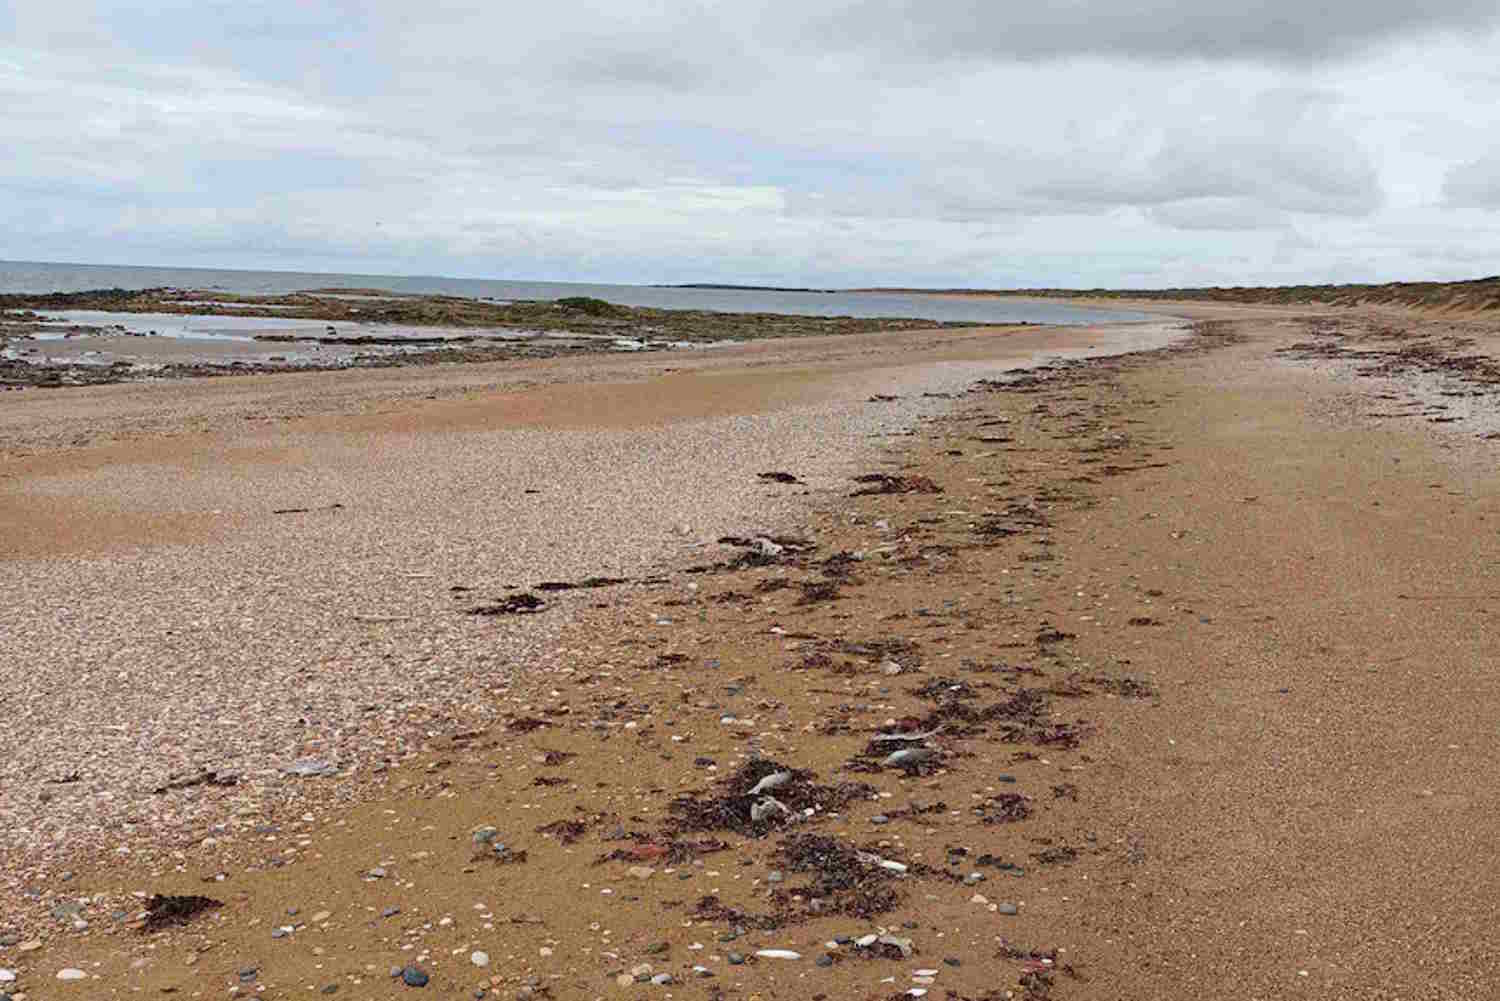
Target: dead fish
[
  {"x": 773, "y": 781},
  {"x": 763, "y": 808},
  {"x": 884, "y": 863},
  {"x": 881, "y": 738},
  {"x": 908, "y": 756}
]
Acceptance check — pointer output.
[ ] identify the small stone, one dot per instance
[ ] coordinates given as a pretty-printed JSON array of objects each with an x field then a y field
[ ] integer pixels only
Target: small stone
[
  {"x": 657, "y": 948},
  {"x": 736, "y": 959},
  {"x": 479, "y": 958},
  {"x": 824, "y": 960},
  {"x": 662, "y": 979},
  {"x": 71, "y": 974},
  {"x": 952, "y": 961},
  {"x": 320, "y": 917},
  {"x": 330, "y": 989},
  {"x": 8, "y": 939},
  {"x": 624, "y": 980},
  {"x": 979, "y": 898},
  {"x": 377, "y": 873},
  {"x": 390, "y": 912},
  {"x": 7, "y": 976},
  {"x": 774, "y": 877},
  {"x": 281, "y": 932},
  {"x": 395, "y": 971},
  {"x": 641, "y": 872},
  {"x": 880, "y": 818},
  {"x": 1009, "y": 909},
  {"x": 413, "y": 977}
]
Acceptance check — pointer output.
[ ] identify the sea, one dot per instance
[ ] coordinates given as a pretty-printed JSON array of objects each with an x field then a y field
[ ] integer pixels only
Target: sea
[{"x": 29, "y": 277}]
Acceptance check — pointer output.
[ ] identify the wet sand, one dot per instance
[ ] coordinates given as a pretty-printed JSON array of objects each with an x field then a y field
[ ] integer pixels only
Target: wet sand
[{"x": 1204, "y": 633}]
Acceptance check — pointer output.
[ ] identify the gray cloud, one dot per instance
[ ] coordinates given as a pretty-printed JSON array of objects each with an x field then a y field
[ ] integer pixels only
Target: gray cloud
[
  {"x": 1475, "y": 184},
  {"x": 1277, "y": 30}
]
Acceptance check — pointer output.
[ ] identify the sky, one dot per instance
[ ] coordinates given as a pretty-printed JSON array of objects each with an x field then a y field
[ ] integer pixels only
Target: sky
[{"x": 938, "y": 143}]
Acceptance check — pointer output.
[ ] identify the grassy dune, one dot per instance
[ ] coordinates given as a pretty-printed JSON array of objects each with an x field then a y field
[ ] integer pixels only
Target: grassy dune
[{"x": 1478, "y": 295}]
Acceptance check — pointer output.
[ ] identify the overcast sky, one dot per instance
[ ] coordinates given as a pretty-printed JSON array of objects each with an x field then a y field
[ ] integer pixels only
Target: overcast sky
[{"x": 826, "y": 142}]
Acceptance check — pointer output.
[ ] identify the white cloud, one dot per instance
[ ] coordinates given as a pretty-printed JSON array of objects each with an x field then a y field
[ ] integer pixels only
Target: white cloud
[{"x": 1147, "y": 142}]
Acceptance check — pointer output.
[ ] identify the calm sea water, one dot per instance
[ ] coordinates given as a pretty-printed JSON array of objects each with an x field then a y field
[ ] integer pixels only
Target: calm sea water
[{"x": 29, "y": 277}]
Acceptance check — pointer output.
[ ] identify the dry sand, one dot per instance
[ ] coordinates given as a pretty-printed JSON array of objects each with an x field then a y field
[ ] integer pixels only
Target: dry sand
[{"x": 1230, "y": 620}]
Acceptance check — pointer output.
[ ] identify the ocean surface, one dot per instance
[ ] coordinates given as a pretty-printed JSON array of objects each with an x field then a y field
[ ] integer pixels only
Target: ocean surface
[{"x": 30, "y": 277}]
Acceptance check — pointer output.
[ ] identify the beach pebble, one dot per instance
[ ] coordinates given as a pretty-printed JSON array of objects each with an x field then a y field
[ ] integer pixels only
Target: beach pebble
[
  {"x": 1009, "y": 909},
  {"x": 71, "y": 974},
  {"x": 479, "y": 958},
  {"x": 641, "y": 872},
  {"x": 414, "y": 977},
  {"x": 778, "y": 954}
]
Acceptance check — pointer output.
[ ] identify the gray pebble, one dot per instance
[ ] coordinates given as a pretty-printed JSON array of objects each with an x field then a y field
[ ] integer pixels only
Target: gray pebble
[
  {"x": 390, "y": 912},
  {"x": 1009, "y": 909},
  {"x": 414, "y": 977},
  {"x": 278, "y": 933},
  {"x": 774, "y": 877},
  {"x": 952, "y": 961},
  {"x": 824, "y": 960},
  {"x": 736, "y": 959},
  {"x": 880, "y": 818}
]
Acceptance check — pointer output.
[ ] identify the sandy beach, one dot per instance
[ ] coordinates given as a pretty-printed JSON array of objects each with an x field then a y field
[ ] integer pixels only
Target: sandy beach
[{"x": 1181, "y": 633}]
